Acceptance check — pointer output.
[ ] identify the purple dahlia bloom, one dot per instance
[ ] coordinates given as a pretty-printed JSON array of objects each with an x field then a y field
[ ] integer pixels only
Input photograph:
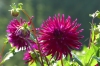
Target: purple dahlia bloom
[
  {"x": 28, "y": 57},
  {"x": 19, "y": 34},
  {"x": 58, "y": 36}
]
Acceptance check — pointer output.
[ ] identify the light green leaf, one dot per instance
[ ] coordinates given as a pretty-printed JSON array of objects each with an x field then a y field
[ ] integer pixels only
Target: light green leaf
[
  {"x": 31, "y": 64},
  {"x": 9, "y": 54},
  {"x": 75, "y": 58}
]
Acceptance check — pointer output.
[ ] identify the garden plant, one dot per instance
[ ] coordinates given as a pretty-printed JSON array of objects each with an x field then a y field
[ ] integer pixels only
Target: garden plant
[{"x": 55, "y": 43}]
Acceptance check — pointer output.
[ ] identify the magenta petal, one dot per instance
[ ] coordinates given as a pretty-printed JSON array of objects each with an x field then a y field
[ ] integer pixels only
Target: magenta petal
[
  {"x": 18, "y": 34},
  {"x": 58, "y": 36}
]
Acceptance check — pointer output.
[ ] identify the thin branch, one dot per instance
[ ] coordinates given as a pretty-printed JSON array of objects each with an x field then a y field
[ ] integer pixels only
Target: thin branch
[
  {"x": 34, "y": 33},
  {"x": 62, "y": 62},
  {"x": 90, "y": 40},
  {"x": 47, "y": 61}
]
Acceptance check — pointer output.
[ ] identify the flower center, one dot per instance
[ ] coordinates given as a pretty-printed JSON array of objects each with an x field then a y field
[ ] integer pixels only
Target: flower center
[{"x": 58, "y": 33}]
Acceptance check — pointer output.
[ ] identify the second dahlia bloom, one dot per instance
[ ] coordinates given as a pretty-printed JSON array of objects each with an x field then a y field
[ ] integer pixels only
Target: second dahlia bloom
[
  {"x": 28, "y": 57},
  {"x": 19, "y": 34},
  {"x": 58, "y": 36}
]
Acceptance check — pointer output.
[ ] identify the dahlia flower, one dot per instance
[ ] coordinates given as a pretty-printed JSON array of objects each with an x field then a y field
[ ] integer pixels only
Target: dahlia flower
[
  {"x": 19, "y": 34},
  {"x": 59, "y": 36},
  {"x": 28, "y": 57}
]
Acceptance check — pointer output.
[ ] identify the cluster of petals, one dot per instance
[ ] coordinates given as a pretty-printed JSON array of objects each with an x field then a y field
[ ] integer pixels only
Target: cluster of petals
[
  {"x": 18, "y": 34},
  {"x": 59, "y": 36},
  {"x": 28, "y": 57}
]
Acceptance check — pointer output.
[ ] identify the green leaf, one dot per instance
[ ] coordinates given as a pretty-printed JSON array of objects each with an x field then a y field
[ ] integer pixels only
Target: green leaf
[
  {"x": 6, "y": 41},
  {"x": 98, "y": 53},
  {"x": 98, "y": 41},
  {"x": 75, "y": 58},
  {"x": 58, "y": 63},
  {"x": 9, "y": 54},
  {"x": 7, "y": 57},
  {"x": 67, "y": 61},
  {"x": 67, "y": 58},
  {"x": 20, "y": 5},
  {"x": 86, "y": 55},
  {"x": 96, "y": 14},
  {"x": 97, "y": 58},
  {"x": 37, "y": 63},
  {"x": 32, "y": 37},
  {"x": 31, "y": 64}
]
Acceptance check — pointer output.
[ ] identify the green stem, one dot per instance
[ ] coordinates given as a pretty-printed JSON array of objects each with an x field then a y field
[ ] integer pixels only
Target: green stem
[
  {"x": 62, "y": 62},
  {"x": 34, "y": 52},
  {"x": 90, "y": 40},
  {"x": 2, "y": 53},
  {"x": 47, "y": 61},
  {"x": 34, "y": 33}
]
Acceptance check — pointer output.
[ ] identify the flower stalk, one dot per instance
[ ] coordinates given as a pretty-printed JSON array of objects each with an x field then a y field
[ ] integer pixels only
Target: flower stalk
[
  {"x": 62, "y": 62},
  {"x": 90, "y": 39},
  {"x": 2, "y": 53},
  {"x": 34, "y": 33}
]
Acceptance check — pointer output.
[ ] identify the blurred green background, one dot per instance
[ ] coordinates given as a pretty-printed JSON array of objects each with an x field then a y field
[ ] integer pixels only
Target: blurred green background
[{"x": 41, "y": 9}]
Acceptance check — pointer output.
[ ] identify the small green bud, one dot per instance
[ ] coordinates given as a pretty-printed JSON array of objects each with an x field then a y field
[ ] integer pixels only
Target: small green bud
[
  {"x": 15, "y": 9},
  {"x": 96, "y": 31},
  {"x": 98, "y": 15},
  {"x": 14, "y": 12}
]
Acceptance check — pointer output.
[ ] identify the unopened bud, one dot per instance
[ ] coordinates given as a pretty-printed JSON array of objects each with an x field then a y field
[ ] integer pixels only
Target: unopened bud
[
  {"x": 96, "y": 31},
  {"x": 23, "y": 31},
  {"x": 98, "y": 15},
  {"x": 14, "y": 12}
]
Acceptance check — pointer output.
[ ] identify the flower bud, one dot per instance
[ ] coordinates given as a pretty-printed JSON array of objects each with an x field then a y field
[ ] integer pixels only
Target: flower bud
[
  {"x": 23, "y": 31},
  {"x": 98, "y": 15},
  {"x": 14, "y": 12},
  {"x": 96, "y": 31}
]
